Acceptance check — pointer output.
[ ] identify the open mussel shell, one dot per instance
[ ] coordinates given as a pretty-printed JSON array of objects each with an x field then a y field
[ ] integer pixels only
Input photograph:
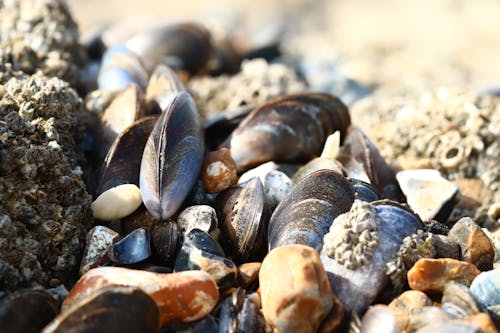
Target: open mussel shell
[
  {"x": 306, "y": 213},
  {"x": 119, "y": 68},
  {"x": 27, "y": 311},
  {"x": 362, "y": 161},
  {"x": 163, "y": 86},
  {"x": 182, "y": 46},
  {"x": 291, "y": 128},
  {"x": 133, "y": 248},
  {"x": 172, "y": 158},
  {"x": 123, "y": 161},
  {"x": 112, "y": 308},
  {"x": 243, "y": 216}
]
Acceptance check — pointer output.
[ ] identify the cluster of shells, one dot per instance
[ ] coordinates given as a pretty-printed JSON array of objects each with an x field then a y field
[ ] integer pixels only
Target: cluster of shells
[{"x": 267, "y": 212}]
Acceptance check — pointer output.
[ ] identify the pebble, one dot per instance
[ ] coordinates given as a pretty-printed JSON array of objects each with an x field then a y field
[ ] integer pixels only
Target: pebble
[
  {"x": 111, "y": 309},
  {"x": 380, "y": 318},
  {"x": 248, "y": 273},
  {"x": 218, "y": 171},
  {"x": 429, "y": 194},
  {"x": 99, "y": 240},
  {"x": 475, "y": 245},
  {"x": 482, "y": 320},
  {"x": 117, "y": 202},
  {"x": 201, "y": 217},
  {"x": 486, "y": 288},
  {"x": 405, "y": 304},
  {"x": 181, "y": 297},
  {"x": 450, "y": 326},
  {"x": 133, "y": 248},
  {"x": 433, "y": 274},
  {"x": 299, "y": 297}
]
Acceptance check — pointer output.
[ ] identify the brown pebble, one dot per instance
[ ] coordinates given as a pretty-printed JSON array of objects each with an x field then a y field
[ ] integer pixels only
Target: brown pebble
[
  {"x": 475, "y": 245},
  {"x": 218, "y": 171},
  {"x": 407, "y": 303},
  {"x": 482, "y": 320},
  {"x": 433, "y": 274},
  {"x": 181, "y": 297},
  {"x": 295, "y": 291},
  {"x": 334, "y": 319},
  {"x": 248, "y": 273}
]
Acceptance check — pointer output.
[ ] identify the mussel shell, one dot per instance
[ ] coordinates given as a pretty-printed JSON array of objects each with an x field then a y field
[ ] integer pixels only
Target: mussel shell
[
  {"x": 228, "y": 316},
  {"x": 166, "y": 241},
  {"x": 206, "y": 325},
  {"x": 172, "y": 158},
  {"x": 163, "y": 86},
  {"x": 399, "y": 221},
  {"x": 132, "y": 249},
  {"x": 123, "y": 161},
  {"x": 291, "y": 128},
  {"x": 120, "y": 67},
  {"x": 316, "y": 164},
  {"x": 183, "y": 46},
  {"x": 110, "y": 309},
  {"x": 306, "y": 213},
  {"x": 27, "y": 311},
  {"x": 364, "y": 191},
  {"x": 243, "y": 216}
]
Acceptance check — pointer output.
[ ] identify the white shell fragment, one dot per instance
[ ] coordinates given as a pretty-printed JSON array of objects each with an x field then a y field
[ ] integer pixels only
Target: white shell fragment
[
  {"x": 332, "y": 146},
  {"x": 117, "y": 202},
  {"x": 428, "y": 193}
]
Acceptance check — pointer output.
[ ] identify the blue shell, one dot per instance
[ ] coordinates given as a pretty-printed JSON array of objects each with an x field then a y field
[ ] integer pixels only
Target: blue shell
[
  {"x": 120, "y": 67},
  {"x": 486, "y": 288},
  {"x": 131, "y": 249}
]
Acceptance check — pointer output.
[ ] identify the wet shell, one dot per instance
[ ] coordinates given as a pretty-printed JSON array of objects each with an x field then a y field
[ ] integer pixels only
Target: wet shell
[
  {"x": 163, "y": 86},
  {"x": 243, "y": 216},
  {"x": 172, "y": 158},
  {"x": 362, "y": 161},
  {"x": 184, "y": 46},
  {"x": 306, "y": 213},
  {"x": 120, "y": 67},
  {"x": 291, "y": 128},
  {"x": 123, "y": 161}
]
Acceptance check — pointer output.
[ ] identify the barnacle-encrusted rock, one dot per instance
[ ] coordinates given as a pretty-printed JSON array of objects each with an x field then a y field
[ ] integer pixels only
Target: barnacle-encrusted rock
[
  {"x": 462, "y": 141},
  {"x": 353, "y": 237},
  {"x": 414, "y": 247},
  {"x": 257, "y": 82},
  {"x": 41, "y": 35},
  {"x": 44, "y": 207}
]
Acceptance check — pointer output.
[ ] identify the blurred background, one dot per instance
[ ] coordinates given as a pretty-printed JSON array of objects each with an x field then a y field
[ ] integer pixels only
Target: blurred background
[{"x": 394, "y": 43}]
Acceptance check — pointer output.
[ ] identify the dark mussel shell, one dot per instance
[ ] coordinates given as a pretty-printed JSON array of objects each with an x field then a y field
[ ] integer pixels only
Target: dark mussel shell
[
  {"x": 166, "y": 240},
  {"x": 364, "y": 191},
  {"x": 163, "y": 86},
  {"x": 306, "y": 213},
  {"x": 133, "y": 248},
  {"x": 291, "y": 128},
  {"x": 27, "y": 311},
  {"x": 120, "y": 67},
  {"x": 243, "y": 215},
  {"x": 112, "y": 308},
  {"x": 183, "y": 46},
  {"x": 172, "y": 158},
  {"x": 363, "y": 161},
  {"x": 123, "y": 161}
]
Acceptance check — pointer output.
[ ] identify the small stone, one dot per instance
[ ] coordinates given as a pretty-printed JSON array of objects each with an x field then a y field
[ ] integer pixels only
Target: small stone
[
  {"x": 112, "y": 309},
  {"x": 248, "y": 273},
  {"x": 482, "y": 320},
  {"x": 433, "y": 274},
  {"x": 425, "y": 316},
  {"x": 201, "y": 217},
  {"x": 407, "y": 303},
  {"x": 133, "y": 248},
  {"x": 429, "y": 194},
  {"x": 486, "y": 288},
  {"x": 276, "y": 186},
  {"x": 334, "y": 319},
  {"x": 181, "y": 297},
  {"x": 450, "y": 326},
  {"x": 475, "y": 245},
  {"x": 99, "y": 240},
  {"x": 218, "y": 171},
  {"x": 299, "y": 297},
  {"x": 379, "y": 318},
  {"x": 117, "y": 202}
]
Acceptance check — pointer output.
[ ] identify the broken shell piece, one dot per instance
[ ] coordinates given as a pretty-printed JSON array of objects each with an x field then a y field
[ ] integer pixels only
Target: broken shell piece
[
  {"x": 428, "y": 194},
  {"x": 201, "y": 217},
  {"x": 117, "y": 202},
  {"x": 332, "y": 146},
  {"x": 99, "y": 240},
  {"x": 132, "y": 249}
]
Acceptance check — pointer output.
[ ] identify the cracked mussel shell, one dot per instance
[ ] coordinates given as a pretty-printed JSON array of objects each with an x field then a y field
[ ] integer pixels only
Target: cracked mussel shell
[
  {"x": 172, "y": 158},
  {"x": 243, "y": 215},
  {"x": 291, "y": 128},
  {"x": 306, "y": 213}
]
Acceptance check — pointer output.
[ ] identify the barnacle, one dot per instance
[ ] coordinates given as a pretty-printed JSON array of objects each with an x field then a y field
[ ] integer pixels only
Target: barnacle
[
  {"x": 41, "y": 35},
  {"x": 44, "y": 207},
  {"x": 414, "y": 247},
  {"x": 353, "y": 236}
]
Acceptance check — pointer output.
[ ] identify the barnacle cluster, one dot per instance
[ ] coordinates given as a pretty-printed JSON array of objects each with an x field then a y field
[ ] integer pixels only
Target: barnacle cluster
[
  {"x": 414, "y": 247},
  {"x": 41, "y": 35},
  {"x": 353, "y": 238},
  {"x": 256, "y": 83},
  {"x": 462, "y": 141},
  {"x": 44, "y": 207}
]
